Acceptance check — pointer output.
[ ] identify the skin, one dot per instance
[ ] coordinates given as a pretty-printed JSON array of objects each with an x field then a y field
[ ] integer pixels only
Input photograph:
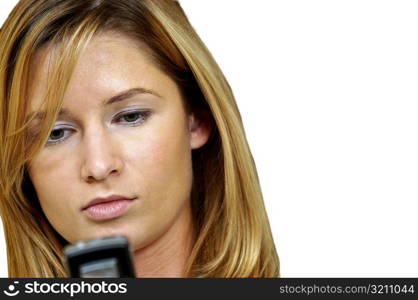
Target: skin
[{"x": 102, "y": 154}]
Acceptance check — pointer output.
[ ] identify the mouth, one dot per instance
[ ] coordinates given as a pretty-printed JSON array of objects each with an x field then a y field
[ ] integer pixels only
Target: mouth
[{"x": 107, "y": 208}]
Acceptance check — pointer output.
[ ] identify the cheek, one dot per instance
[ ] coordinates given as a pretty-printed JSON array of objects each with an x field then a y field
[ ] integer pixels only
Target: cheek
[
  {"x": 55, "y": 185},
  {"x": 162, "y": 159},
  {"x": 52, "y": 178}
]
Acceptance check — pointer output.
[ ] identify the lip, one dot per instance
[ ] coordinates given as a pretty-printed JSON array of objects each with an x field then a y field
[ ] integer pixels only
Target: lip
[
  {"x": 100, "y": 200},
  {"x": 107, "y": 208}
]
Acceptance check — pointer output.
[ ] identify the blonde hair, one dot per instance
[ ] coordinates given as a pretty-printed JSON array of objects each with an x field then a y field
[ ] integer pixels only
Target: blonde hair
[{"x": 234, "y": 238}]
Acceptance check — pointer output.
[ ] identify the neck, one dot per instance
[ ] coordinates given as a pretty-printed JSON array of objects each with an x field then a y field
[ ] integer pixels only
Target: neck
[{"x": 167, "y": 256}]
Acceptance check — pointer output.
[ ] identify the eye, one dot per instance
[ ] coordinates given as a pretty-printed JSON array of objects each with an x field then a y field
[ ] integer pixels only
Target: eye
[
  {"x": 133, "y": 117},
  {"x": 58, "y": 135}
]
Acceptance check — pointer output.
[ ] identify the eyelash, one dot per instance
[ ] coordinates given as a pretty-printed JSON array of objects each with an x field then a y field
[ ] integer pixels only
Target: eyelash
[
  {"x": 144, "y": 114},
  {"x": 142, "y": 117}
]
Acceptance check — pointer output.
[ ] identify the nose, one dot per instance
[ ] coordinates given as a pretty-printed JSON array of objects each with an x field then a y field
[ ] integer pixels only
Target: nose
[{"x": 101, "y": 156}]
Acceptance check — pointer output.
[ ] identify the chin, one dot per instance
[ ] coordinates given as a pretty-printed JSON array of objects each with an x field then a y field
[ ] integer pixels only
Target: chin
[{"x": 134, "y": 238}]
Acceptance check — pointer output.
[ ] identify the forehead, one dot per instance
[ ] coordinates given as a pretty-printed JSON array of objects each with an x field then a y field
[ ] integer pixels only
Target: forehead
[{"x": 110, "y": 62}]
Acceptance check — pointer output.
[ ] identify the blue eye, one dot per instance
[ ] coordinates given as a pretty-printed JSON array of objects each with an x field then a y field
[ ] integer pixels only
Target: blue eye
[
  {"x": 133, "y": 117},
  {"x": 129, "y": 118},
  {"x": 58, "y": 135}
]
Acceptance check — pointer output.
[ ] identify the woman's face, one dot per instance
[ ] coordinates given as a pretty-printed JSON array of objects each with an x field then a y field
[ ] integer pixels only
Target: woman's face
[{"x": 123, "y": 131}]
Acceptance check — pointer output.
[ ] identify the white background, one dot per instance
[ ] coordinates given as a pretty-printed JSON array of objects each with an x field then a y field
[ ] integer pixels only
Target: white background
[{"x": 328, "y": 91}]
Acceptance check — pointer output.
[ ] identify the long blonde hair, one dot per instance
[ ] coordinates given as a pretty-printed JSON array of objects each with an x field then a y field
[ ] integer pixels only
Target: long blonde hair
[{"x": 234, "y": 238}]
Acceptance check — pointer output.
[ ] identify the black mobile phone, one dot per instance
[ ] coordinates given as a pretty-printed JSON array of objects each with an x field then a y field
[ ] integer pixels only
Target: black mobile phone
[{"x": 108, "y": 257}]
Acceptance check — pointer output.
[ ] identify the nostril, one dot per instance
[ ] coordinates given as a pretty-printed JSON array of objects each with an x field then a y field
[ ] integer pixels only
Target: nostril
[{"x": 90, "y": 179}]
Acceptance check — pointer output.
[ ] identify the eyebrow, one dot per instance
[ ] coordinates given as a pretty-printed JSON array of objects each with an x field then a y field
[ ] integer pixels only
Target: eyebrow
[
  {"x": 130, "y": 93},
  {"x": 114, "y": 99}
]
